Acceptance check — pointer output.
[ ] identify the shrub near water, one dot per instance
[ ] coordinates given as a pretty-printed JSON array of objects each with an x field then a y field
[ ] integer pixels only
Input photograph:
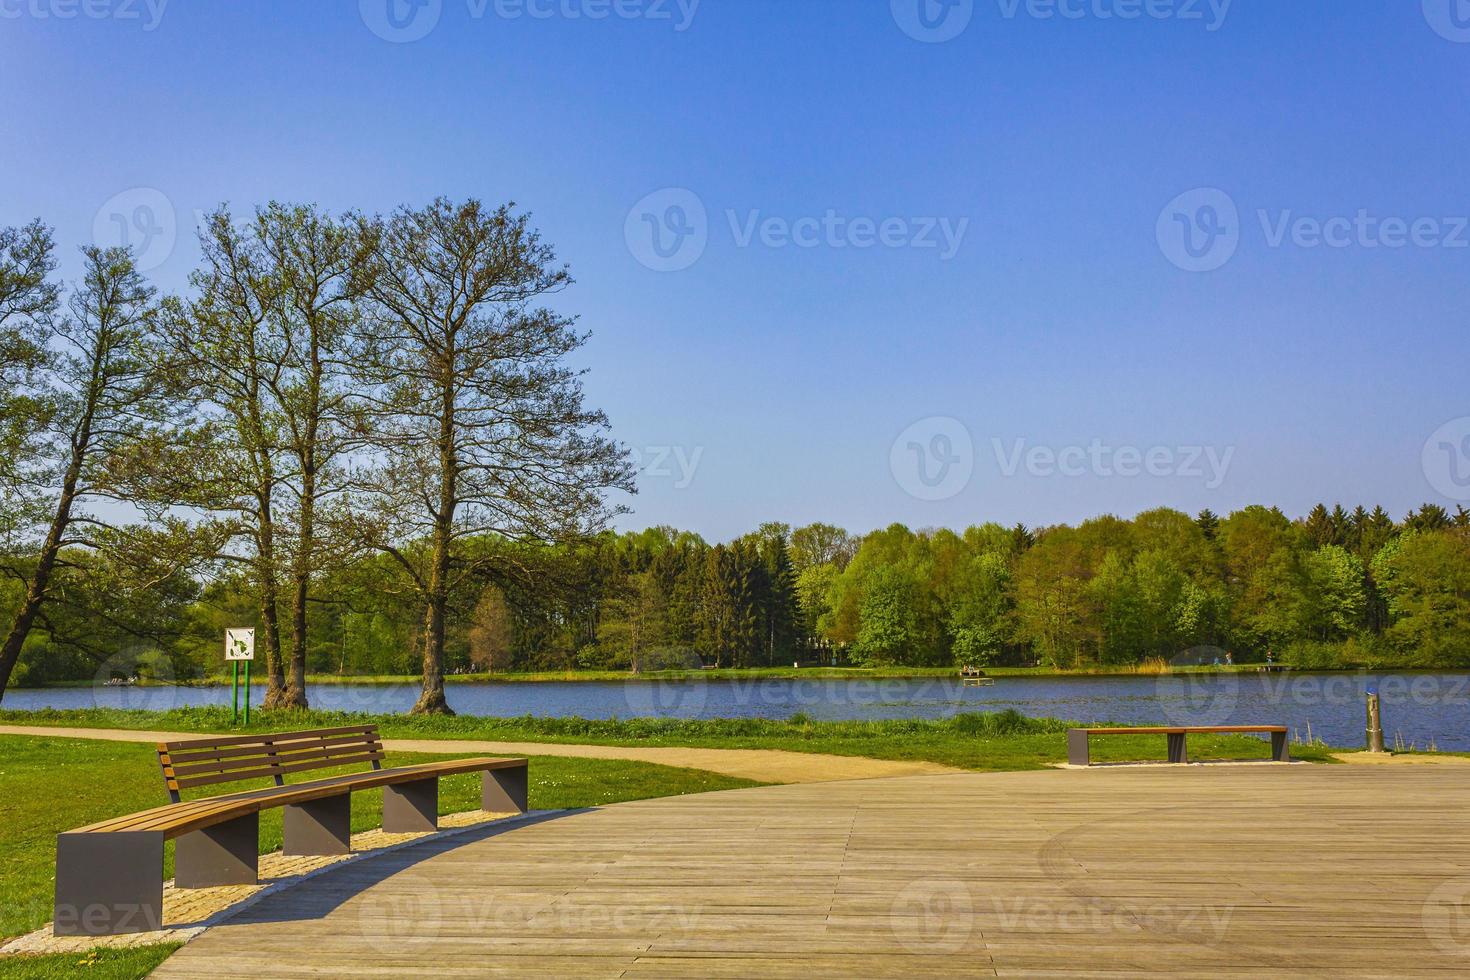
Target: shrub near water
[
  {"x": 799, "y": 725},
  {"x": 1005, "y": 740}
]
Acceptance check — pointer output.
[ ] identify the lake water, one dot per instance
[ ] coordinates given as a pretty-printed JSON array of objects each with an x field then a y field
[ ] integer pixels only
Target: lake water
[{"x": 1422, "y": 708}]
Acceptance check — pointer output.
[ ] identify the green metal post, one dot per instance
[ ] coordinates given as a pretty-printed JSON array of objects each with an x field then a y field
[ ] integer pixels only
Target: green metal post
[
  {"x": 235, "y": 695},
  {"x": 247, "y": 693}
]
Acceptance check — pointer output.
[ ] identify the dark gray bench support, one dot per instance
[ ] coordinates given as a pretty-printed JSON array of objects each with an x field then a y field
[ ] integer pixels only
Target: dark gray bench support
[
  {"x": 225, "y": 854},
  {"x": 411, "y": 808},
  {"x": 108, "y": 884},
  {"x": 1078, "y": 753},
  {"x": 504, "y": 790},
  {"x": 319, "y": 828},
  {"x": 1280, "y": 751}
]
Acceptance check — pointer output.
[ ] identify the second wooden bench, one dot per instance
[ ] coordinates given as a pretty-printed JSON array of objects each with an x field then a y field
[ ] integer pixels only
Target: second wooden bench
[{"x": 1079, "y": 753}]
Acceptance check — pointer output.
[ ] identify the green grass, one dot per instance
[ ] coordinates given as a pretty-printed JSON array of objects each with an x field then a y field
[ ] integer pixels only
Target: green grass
[
  {"x": 99, "y": 964},
  {"x": 54, "y": 785}
]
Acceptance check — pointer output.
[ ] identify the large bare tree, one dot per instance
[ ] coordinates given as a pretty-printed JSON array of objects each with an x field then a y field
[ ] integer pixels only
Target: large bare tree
[
  {"x": 223, "y": 349},
  {"x": 477, "y": 423},
  {"x": 319, "y": 263}
]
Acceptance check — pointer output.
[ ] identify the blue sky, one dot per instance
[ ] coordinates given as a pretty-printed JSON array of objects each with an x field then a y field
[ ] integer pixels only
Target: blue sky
[{"x": 877, "y": 371}]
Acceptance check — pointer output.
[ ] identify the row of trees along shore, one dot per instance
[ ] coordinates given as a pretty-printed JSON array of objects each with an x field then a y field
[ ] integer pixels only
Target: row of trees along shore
[
  {"x": 361, "y": 434},
  {"x": 332, "y": 394}
]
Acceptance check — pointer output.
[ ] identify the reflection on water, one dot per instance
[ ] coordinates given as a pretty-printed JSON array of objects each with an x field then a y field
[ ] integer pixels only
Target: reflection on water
[{"x": 1422, "y": 708}]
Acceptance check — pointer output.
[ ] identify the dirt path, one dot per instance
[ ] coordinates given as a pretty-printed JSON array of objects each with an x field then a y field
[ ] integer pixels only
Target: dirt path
[{"x": 764, "y": 765}]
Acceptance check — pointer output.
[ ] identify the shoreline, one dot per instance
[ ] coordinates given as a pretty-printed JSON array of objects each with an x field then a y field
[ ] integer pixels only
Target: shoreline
[{"x": 758, "y": 673}]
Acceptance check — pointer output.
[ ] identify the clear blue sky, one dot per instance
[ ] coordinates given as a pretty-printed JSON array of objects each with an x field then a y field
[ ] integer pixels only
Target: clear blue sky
[{"x": 787, "y": 373}]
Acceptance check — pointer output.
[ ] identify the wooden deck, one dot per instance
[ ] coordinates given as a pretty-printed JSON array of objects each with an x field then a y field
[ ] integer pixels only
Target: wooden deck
[{"x": 1213, "y": 870}]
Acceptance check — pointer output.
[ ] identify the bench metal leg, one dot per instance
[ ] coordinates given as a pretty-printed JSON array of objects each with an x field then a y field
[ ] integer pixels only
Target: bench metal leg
[
  {"x": 504, "y": 790},
  {"x": 225, "y": 854},
  {"x": 411, "y": 808},
  {"x": 1280, "y": 751},
  {"x": 109, "y": 884},
  {"x": 1178, "y": 751},
  {"x": 321, "y": 827},
  {"x": 1077, "y": 752}
]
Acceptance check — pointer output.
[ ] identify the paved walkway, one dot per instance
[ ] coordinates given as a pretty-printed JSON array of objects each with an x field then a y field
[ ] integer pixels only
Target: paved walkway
[
  {"x": 1241, "y": 871},
  {"x": 762, "y": 765}
]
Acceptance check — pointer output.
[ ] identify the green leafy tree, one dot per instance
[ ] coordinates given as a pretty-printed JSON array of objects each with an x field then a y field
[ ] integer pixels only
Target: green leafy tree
[
  {"x": 94, "y": 391},
  {"x": 1426, "y": 578},
  {"x": 889, "y": 630}
]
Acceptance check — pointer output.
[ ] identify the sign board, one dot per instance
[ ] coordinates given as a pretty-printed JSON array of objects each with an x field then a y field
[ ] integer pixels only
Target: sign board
[{"x": 240, "y": 644}]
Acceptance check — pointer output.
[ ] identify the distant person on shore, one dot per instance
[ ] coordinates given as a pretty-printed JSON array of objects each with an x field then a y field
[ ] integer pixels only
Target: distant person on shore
[
  {"x": 1229, "y": 659},
  {"x": 1270, "y": 658}
]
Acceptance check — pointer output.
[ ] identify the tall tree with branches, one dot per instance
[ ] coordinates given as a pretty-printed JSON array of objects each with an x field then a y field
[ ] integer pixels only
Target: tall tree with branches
[
  {"x": 93, "y": 392},
  {"x": 319, "y": 263},
  {"x": 476, "y": 422},
  {"x": 222, "y": 348}
]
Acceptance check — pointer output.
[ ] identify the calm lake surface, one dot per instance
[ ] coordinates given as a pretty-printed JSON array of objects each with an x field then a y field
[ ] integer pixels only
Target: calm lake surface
[{"x": 1421, "y": 708}]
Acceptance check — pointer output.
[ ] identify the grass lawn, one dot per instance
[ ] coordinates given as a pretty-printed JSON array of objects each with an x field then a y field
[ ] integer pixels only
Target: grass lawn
[
  {"x": 53, "y": 785},
  {"x": 99, "y": 964}
]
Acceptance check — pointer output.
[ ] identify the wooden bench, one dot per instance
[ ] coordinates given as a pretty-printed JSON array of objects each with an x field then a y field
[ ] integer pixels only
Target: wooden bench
[
  {"x": 1078, "y": 753},
  {"x": 109, "y": 875}
]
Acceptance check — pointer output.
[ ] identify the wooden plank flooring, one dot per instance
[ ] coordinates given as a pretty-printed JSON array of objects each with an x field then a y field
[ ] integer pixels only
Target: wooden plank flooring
[{"x": 1210, "y": 870}]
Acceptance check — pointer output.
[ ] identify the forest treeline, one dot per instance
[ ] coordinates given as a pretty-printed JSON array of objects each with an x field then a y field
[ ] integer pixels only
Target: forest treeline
[{"x": 1336, "y": 588}]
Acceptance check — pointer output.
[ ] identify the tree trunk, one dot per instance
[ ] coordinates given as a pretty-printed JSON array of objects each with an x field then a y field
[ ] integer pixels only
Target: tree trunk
[
  {"x": 306, "y": 546},
  {"x": 275, "y": 689},
  {"x": 295, "y": 693},
  {"x": 25, "y": 617},
  {"x": 432, "y": 701}
]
